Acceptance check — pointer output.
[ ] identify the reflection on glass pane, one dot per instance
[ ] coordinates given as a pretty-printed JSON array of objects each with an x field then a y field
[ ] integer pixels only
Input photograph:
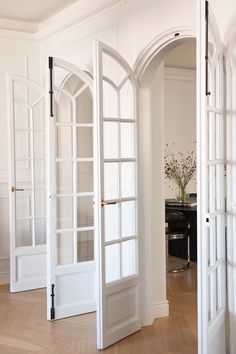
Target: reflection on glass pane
[
  {"x": 64, "y": 175},
  {"x": 64, "y": 212},
  {"x": 64, "y": 142},
  {"x": 22, "y": 145},
  {"x": 128, "y": 258},
  {"x": 21, "y": 116},
  {"x": 84, "y": 142},
  {"x": 209, "y": 297},
  {"x": 111, "y": 181},
  {"x": 128, "y": 219},
  {"x": 127, "y": 140},
  {"x": 84, "y": 106},
  {"x": 40, "y": 231},
  {"x": 112, "y": 262},
  {"x": 40, "y": 202},
  {"x": 65, "y": 248},
  {"x": 23, "y": 233},
  {"x": 63, "y": 108},
  {"x": 39, "y": 145},
  {"x": 85, "y": 211},
  {"x": 39, "y": 115},
  {"x": 218, "y": 288},
  {"x": 110, "y": 101},
  {"x": 111, "y": 222},
  {"x": 127, "y": 101},
  {"x": 112, "y": 69},
  {"x": 84, "y": 177},
  {"x": 110, "y": 140},
  {"x": 127, "y": 179},
  {"x": 23, "y": 174},
  {"x": 39, "y": 174},
  {"x": 23, "y": 204},
  {"x": 85, "y": 246}
]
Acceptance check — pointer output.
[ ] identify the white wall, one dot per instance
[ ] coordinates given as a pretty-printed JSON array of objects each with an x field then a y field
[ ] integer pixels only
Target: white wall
[
  {"x": 20, "y": 57},
  {"x": 180, "y": 118}
]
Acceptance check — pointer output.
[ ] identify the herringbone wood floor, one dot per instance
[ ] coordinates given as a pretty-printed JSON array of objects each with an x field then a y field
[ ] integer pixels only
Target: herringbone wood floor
[{"x": 24, "y": 329}]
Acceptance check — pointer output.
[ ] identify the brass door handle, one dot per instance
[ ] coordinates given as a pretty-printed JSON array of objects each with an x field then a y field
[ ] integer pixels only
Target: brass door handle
[
  {"x": 107, "y": 203},
  {"x": 14, "y": 189}
]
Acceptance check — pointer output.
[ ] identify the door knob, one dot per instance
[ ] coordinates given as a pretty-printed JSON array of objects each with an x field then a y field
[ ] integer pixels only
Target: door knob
[{"x": 14, "y": 189}]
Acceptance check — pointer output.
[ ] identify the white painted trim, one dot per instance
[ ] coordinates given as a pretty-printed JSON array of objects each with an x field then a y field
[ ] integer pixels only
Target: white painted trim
[
  {"x": 158, "y": 44},
  {"x": 153, "y": 52},
  {"x": 177, "y": 74},
  {"x": 16, "y": 25},
  {"x": 17, "y": 35},
  {"x": 161, "y": 309}
]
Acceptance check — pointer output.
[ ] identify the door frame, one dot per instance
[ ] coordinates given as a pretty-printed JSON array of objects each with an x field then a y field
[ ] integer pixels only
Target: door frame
[{"x": 150, "y": 58}]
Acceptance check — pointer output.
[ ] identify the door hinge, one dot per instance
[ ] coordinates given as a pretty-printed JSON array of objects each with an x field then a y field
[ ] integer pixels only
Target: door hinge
[
  {"x": 52, "y": 303},
  {"x": 50, "y": 65}
]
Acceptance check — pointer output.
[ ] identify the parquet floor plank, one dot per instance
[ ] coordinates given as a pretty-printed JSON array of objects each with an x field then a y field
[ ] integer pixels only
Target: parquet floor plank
[{"x": 25, "y": 330}]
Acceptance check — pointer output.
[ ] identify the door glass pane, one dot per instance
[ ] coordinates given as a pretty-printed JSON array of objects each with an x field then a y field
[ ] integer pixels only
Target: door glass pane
[
  {"x": 112, "y": 260},
  {"x": 128, "y": 218},
  {"x": 65, "y": 248},
  {"x": 63, "y": 108},
  {"x": 39, "y": 145},
  {"x": 127, "y": 140},
  {"x": 23, "y": 233},
  {"x": 110, "y": 101},
  {"x": 111, "y": 222},
  {"x": 40, "y": 231},
  {"x": 64, "y": 212},
  {"x": 21, "y": 116},
  {"x": 64, "y": 142},
  {"x": 110, "y": 140},
  {"x": 127, "y": 179},
  {"x": 39, "y": 174},
  {"x": 84, "y": 142},
  {"x": 39, "y": 115},
  {"x": 22, "y": 145},
  {"x": 126, "y": 101},
  {"x": 23, "y": 176},
  {"x": 64, "y": 175},
  {"x": 23, "y": 204},
  {"x": 128, "y": 258},
  {"x": 40, "y": 202},
  {"x": 84, "y": 106},
  {"x": 85, "y": 211},
  {"x": 84, "y": 177},
  {"x": 85, "y": 246},
  {"x": 111, "y": 181}
]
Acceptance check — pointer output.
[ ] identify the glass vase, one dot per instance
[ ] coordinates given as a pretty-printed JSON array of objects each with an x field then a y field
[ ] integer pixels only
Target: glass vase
[{"x": 182, "y": 194}]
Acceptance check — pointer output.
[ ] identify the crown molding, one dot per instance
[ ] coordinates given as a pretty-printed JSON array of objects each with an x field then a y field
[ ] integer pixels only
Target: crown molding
[
  {"x": 18, "y": 26},
  {"x": 180, "y": 74},
  {"x": 73, "y": 15}
]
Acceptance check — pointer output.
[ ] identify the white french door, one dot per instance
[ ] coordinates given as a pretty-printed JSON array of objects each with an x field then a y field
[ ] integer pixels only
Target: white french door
[
  {"x": 26, "y": 120},
  {"x": 70, "y": 192},
  {"x": 211, "y": 189},
  {"x": 118, "y": 313}
]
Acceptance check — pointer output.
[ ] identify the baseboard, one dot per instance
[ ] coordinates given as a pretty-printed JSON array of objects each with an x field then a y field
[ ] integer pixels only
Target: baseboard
[
  {"x": 4, "y": 278},
  {"x": 161, "y": 309}
]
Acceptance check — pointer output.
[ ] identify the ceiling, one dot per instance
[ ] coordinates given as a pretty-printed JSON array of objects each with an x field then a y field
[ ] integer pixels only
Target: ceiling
[
  {"x": 183, "y": 56},
  {"x": 31, "y": 10}
]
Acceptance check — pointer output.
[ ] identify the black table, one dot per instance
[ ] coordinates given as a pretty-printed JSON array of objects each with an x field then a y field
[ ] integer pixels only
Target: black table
[{"x": 179, "y": 248}]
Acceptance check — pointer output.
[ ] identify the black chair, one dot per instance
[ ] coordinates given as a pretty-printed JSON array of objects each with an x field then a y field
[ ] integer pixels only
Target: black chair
[{"x": 178, "y": 229}]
